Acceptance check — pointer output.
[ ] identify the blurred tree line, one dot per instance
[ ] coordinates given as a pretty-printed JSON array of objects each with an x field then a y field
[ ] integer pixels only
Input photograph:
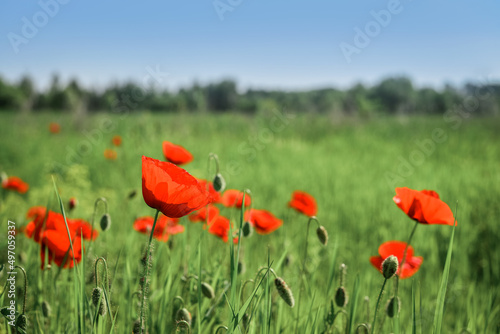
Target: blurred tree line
[{"x": 394, "y": 95}]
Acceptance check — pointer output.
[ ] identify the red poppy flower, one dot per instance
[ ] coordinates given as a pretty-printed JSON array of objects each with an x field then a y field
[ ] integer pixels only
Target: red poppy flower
[
  {"x": 219, "y": 226},
  {"x": 303, "y": 203},
  {"x": 396, "y": 248},
  {"x": 56, "y": 243},
  {"x": 201, "y": 214},
  {"x": 110, "y": 154},
  {"x": 263, "y": 221},
  {"x": 54, "y": 127},
  {"x": 116, "y": 140},
  {"x": 234, "y": 198},
  {"x": 55, "y": 221},
  {"x": 165, "y": 226},
  {"x": 210, "y": 187},
  {"x": 171, "y": 189},
  {"x": 423, "y": 206},
  {"x": 176, "y": 154},
  {"x": 15, "y": 183}
]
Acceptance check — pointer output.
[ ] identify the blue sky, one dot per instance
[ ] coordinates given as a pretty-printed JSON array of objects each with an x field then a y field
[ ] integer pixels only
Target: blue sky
[{"x": 262, "y": 44}]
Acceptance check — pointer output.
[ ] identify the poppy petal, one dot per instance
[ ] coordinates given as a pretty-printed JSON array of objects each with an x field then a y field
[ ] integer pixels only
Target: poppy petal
[{"x": 171, "y": 189}]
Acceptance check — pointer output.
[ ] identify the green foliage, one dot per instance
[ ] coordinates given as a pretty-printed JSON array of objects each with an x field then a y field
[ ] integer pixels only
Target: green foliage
[
  {"x": 395, "y": 95},
  {"x": 344, "y": 165}
]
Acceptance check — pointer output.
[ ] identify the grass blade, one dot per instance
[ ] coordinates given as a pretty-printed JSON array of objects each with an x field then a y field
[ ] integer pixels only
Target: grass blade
[{"x": 438, "y": 315}]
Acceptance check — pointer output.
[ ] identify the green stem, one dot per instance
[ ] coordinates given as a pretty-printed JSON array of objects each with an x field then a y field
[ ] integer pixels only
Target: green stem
[
  {"x": 304, "y": 269},
  {"x": 376, "y": 306},
  {"x": 406, "y": 248},
  {"x": 25, "y": 287},
  {"x": 148, "y": 252}
]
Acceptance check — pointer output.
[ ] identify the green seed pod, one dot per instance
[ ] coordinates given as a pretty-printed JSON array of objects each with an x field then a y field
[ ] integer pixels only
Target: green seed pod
[
  {"x": 247, "y": 229},
  {"x": 105, "y": 222},
  {"x": 132, "y": 194},
  {"x": 393, "y": 307},
  {"x": 341, "y": 297},
  {"x": 46, "y": 309},
  {"x": 98, "y": 295},
  {"x": 207, "y": 290},
  {"x": 219, "y": 183},
  {"x": 183, "y": 314},
  {"x": 284, "y": 291},
  {"x": 241, "y": 268},
  {"x": 322, "y": 235},
  {"x": 136, "y": 328},
  {"x": 390, "y": 266},
  {"x": 22, "y": 322}
]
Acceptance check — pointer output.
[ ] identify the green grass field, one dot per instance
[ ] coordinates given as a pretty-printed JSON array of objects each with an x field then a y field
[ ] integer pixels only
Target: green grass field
[{"x": 351, "y": 167}]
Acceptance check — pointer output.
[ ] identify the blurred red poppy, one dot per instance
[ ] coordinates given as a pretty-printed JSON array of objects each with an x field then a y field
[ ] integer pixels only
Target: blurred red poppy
[
  {"x": 49, "y": 229},
  {"x": 171, "y": 189},
  {"x": 303, "y": 203},
  {"x": 201, "y": 214},
  {"x": 396, "y": 248},
  {"x": 116, "y": 140},
  {"x": 15, "y": 183},
  {"x": 263, "y": 221},
  {"x": 110, "y": 154},
  {"x": 165, "y": 226},
  {"x": 210, "y": 187},
  {"x": 54, "y": 127},
  {"x": 43, "y": 221},
  {"x": 234, "y": 198},
  {"x": 176, "y": 154},
  {"x": 423, "y": 206},
  {"x": 219, "y": 226},
  {"x": 56, "y": 243}
]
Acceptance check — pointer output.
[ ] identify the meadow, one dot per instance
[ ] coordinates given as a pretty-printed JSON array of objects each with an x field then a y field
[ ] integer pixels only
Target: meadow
[{"x": 350, "y": 166}]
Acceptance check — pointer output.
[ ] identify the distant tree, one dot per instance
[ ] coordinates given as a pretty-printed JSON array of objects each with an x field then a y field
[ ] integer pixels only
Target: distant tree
[
  {"x": 395, "y": 95},
  {"x": 11, "y": 97},
  {"x": 27, "y": 88},
  {"x": 221, "y": 96}
]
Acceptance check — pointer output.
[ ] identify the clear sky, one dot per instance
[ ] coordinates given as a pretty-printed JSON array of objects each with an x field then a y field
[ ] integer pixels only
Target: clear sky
[{"x": 262, "y": 44}]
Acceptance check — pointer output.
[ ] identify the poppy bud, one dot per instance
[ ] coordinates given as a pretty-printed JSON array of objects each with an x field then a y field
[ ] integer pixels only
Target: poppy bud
[
  {"x": 341, "y": 297},
  {"x": 73, "y": 202},
  {"x": 390, "y": 266},
  {"x": 46, "y": 309},
  {"x": 207, "y": 290},
  {"x": 219, "y": 183},
  {"x": 183, "y": 314},
  {"x": 322, "y": 235},
  {"x": 22, "y": 322},
  {"x": 136, "y": 328},
  {"x": 98, "y": 295},
  {"x": 105, "y": 222},
  {"x": 284, "y": 291},
  {"x": 393, "y": 307},
  {"x": 241, "y": 268},
  {"x": 247, "y": 229}
]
